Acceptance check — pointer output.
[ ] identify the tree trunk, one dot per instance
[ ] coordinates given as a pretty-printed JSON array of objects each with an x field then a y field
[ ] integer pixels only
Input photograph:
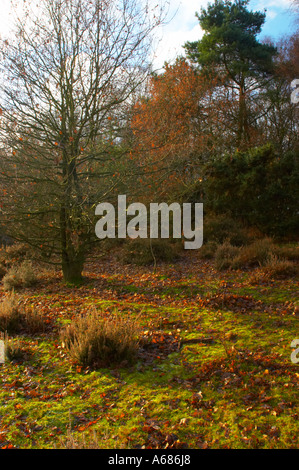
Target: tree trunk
[
  {"x": 241, "y": 113},
  {"x": 72, "y": 256},
  {"x": 72, "y": 268},
  {"x": 243, "y": 131}
]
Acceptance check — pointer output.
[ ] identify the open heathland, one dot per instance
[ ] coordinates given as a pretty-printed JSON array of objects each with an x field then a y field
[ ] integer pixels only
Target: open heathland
[{"x": 209, "y": 365}]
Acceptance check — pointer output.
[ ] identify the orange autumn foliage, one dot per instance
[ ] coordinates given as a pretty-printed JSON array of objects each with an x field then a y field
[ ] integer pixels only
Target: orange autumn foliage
[{"x": 170, "y": 125}]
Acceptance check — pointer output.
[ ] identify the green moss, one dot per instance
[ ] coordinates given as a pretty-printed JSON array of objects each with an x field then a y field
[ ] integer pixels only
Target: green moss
[{"x": 238, "y": 391}]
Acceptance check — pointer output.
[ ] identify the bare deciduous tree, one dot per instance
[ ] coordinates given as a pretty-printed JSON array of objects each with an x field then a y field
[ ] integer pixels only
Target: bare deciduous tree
[{"x": 67, "y": 78}]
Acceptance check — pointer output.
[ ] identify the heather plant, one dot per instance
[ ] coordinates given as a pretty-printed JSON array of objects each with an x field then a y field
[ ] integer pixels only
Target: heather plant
[
  {"x": 17, "y": 316},
  {"x": 98, "y": 342},
  {"x": 255, "y": 254},
  {"x": 225, "y": 254},
  {"x": 10, "y": 313},
  {"x": 18, "y": 276},
  {"x": 280, "y": 268}
]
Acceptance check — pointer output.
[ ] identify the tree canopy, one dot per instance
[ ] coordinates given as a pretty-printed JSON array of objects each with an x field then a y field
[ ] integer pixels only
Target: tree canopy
[{"x": 230, "y": 49}]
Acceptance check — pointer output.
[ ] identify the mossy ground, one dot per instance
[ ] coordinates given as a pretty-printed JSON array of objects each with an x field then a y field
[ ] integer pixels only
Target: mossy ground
[{"x": 232, "y": 386}]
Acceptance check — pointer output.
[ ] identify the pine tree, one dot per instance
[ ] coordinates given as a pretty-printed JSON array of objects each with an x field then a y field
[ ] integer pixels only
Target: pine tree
[{"x": 230, "y": 49}]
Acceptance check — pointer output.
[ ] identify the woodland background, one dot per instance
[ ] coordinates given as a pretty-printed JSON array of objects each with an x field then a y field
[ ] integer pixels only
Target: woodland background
[{"x": 140, "y": 343}]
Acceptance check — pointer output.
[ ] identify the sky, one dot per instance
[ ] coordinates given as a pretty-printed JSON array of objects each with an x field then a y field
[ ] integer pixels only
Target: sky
[{"x": 183, "y": 25}]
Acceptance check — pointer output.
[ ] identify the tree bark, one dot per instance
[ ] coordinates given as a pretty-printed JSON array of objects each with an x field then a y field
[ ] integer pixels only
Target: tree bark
[{"x": 72, "y": 267}]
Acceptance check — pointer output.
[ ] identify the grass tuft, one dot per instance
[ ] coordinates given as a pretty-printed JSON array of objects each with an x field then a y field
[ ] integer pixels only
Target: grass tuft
[
  {"x": 18, "y": 276},
  {"x": 96, "y": 342},
  {"x": 10, "y": 313},
  {"x": 16, "y": 316},
  {"x": 280, "y": 268}
]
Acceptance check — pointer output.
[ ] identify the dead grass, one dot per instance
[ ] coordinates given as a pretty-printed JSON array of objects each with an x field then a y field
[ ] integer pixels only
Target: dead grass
[
  {"x": 14, "y": 350},
  {"x": 255, "y": 254},
  {"x": 258, "y": 253},
  {"x": 16, "y": 252},
  {"x": 96, "y": 342},
  {"x": 16, "y": 316},
  {"x": 79, "y": 442},
  {"x": 33, "y": 319},
  {"x": 18, "y": 276},
  {"x": 208, "y": 250},
  {"x": 289, "y": 252},
  {"x": 10, "y": 313},
  {"x": 225, "y": 254},
  {"x": 280, "y": 268},
  {"x": 3, "y": 270}
]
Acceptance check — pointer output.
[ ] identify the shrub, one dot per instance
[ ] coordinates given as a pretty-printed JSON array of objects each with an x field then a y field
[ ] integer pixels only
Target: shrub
[
  {"x": 10, "y": 314},
  {"x": 2, "y": 270},
  {"x": 143, "y": 251},
  {"x": 2, "y": 256},
  {"x": 110, "y": 244},
  {"x": 259, "y": 186},
  {"x": 34, "y": 321},
  {"x": 255, "y": 254},
  {"x": 280, "y": 269},
  {"x": 96, "y": 342},
  {"x": 221, "y": 228},
  {"x": 17, "y": 252},
  {"x": 225, "y": 254},
  {"x": 18, "y": 276},
  {"x": 15, "y": 316},
  {"x": 290, "y": 252},
  {"x": 27, "y": 273},
  {"x": 208, "y": 250},
  {"x": 15, "y": 350},
  {"x": 11, "y": 280}
]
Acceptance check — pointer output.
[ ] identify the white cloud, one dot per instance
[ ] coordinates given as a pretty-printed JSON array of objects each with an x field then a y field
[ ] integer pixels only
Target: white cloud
[
  {"x": 182, "y": 27},
  {"x": 271, "y": 14},
  {"x": 171, "y": 45},
  {"x": 5, "y": 18},
  {"x": 185, "y": 27},
  {"x": 185, "y": 12},
  {"x": 280, "y": 4}
]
